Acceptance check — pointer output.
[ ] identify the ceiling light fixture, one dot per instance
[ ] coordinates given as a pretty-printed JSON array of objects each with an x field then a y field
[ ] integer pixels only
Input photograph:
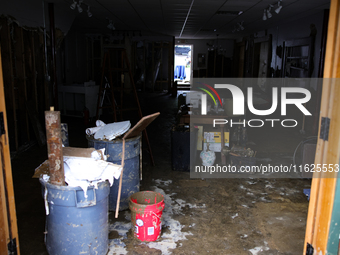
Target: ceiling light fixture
[
  {"x": 79, "y": 7},
  {"x": 89, "y": 14},
  {"x": 279, "y": 7},
  {"x": 264, "y": 14},
  {"x": 240, "y": 26},
  {"x": 269, "y": 15},
  {"x": 110, "y": 25},
  {"x": 73, "y": 5}
]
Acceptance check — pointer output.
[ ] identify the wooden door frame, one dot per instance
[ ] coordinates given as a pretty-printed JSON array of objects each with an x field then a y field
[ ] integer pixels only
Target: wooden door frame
[
  {"x": 8, "y": 218},
  {"x": 324, "y": 184}
]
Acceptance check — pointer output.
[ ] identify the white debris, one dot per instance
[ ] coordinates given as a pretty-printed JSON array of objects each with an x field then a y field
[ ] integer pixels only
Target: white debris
[
  {"x": 46, "y": 177},
  {"x": 93, "y": 130},
  {"x": 160, "y": 182},
  {"x": 108, "y": 131},
  {"x": 170, "y": 239},
  {"x": 117, "y": 246},
  {"x": 258, "y": 249},
  {"x": 84, "y": 172},
  {"x": 234, "y": 216}
]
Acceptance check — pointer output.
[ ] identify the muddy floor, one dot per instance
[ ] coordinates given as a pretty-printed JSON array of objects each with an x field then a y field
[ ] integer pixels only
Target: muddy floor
[{"x": 201, "y": 216}]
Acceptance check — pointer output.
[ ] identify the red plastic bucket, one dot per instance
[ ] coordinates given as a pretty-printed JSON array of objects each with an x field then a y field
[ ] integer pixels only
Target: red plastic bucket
[{"x": 146, "y": 213}]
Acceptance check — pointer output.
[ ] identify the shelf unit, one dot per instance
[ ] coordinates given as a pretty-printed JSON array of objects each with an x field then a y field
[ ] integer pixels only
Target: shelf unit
[{"x": 298, "y": 58}]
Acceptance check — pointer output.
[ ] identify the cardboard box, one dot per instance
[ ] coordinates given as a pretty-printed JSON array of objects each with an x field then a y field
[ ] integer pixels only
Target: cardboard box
[{"x": 67, "y": 152}]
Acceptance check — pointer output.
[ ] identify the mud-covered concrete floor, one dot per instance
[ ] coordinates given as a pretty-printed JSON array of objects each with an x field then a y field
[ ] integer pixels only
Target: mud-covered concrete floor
[{"x": 202, "y": 216}]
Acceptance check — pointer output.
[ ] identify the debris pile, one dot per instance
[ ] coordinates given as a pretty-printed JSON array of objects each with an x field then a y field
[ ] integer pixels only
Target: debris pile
[{"x": 110, "y": 131}]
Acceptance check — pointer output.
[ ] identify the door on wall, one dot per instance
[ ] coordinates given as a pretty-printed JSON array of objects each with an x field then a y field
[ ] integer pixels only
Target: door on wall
[{"x": 183, "y": 63}]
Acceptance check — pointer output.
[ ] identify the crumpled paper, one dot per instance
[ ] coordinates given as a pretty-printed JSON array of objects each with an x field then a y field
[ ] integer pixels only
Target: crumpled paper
[{"x": 108, "y": 131}]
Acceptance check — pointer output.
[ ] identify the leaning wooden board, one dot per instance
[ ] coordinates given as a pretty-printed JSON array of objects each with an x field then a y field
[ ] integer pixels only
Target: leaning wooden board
[
  {"x": 141, "y": 125},
  {"x": 136, "y": 130}
]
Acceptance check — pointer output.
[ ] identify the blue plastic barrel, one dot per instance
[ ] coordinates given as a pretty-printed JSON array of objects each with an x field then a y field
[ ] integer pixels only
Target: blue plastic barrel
[
  {"x": 76, "y": 225},
  {"x": 130, "y": 182}
]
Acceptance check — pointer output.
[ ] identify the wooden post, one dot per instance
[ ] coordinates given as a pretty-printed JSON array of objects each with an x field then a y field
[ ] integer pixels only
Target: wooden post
[
  {"x": 153, "y": 67},
  {"x": 54, "y": 146},
  {"x": 120, "y": 180},
  {"x": 327, "y": 152},
  {"x": 223, "y": 157},
  {"x": 53, "y": 55},
  {"x": 20, "y": 81},
  {"x": 8, "y": 79},
  {"x": 8, "y": 220}
]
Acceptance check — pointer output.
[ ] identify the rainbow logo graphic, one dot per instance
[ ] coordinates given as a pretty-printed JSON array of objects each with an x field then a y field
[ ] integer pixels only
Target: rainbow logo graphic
[{"x": 210, "y": 94}]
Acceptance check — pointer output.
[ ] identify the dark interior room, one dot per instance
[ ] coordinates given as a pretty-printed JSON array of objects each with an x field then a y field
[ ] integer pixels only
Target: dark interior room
[{"x": 169, "y": 127}]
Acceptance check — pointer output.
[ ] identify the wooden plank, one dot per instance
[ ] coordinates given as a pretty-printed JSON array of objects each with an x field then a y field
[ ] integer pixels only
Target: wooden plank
[
  {"x": 20, "y": 83},
  {"x": 37, "y": 128},
  {"x": 54, "y": 147},
  {"x": 327, "y": 152},
  {"x": 39, "y": 67},
  {"x": 141, "y": 125},
  {"x": 153, "y": 66},
  {"x": 34, "y": 71},
  {"x": 45, "y": 72},
  {"x": 144, "y": 69},
  {"x": 170, "y": 57},
  {"x": 9, "y": 80},
  {"x": 4, "y": 231},
  {"x": 6, "y": 164}
]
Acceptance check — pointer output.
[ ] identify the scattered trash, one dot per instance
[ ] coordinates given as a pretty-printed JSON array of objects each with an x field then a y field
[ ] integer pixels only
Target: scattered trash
[
  {"x": 108, "y": 131},
  {"x": 83, "y": 167},
  {"x": 307, "y": 193},
  {"x": 234, "y": 216},
  {"x": 85, "y": 172}
]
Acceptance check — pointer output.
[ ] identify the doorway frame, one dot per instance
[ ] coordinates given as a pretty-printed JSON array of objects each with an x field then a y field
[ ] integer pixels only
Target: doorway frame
[{"x": 192, "y": 59}]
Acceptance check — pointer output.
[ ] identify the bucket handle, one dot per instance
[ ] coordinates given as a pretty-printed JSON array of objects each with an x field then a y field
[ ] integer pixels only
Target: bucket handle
[{"x": 85, "y": 203}]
